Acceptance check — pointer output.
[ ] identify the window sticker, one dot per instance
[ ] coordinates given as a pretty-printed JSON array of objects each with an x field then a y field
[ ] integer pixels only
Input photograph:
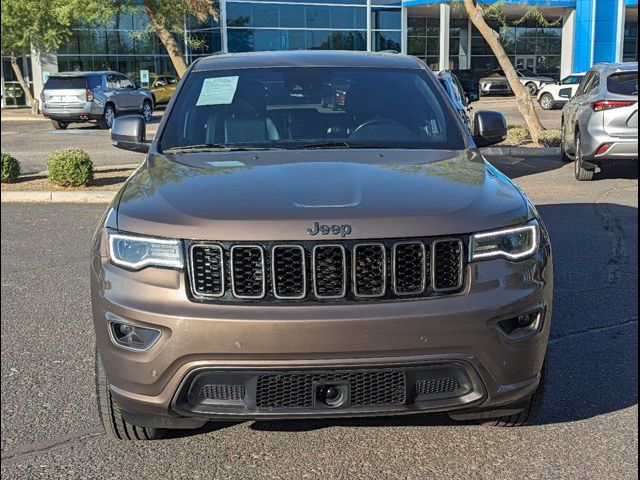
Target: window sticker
[{"x": 218, "y": 91}]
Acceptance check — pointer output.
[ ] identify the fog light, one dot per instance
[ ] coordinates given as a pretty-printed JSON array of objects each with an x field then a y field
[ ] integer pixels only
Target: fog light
[
  {"x": 133, "y": 337},
  {"x": 521, "y": 326}
]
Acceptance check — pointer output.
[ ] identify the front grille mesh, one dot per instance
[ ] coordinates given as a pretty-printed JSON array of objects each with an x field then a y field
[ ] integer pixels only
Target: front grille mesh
[
  {"x": 247, "y": 271},
  {"x": 222, "y": 392},
  {"x": 367, "y": 388},
  {"x": 432, "y": 386},
  {"x": 369, "y": 270},
  {"x": 329, "y": 271},
  {"x": 309, "y": 271}
]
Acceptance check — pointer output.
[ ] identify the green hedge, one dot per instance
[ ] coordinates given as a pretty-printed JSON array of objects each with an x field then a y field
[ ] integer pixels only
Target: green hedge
[
  {"x": 550, "y": 138},
  {"x": 517, "y": 135},
  {"x": 10, "y": 168},
  {"x": 71, "y": 167}
]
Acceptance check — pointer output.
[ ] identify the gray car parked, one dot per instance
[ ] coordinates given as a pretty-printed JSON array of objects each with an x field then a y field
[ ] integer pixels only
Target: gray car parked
[
  {"x": 600, "y": 122},
  {"x": 93, "y": 96}
]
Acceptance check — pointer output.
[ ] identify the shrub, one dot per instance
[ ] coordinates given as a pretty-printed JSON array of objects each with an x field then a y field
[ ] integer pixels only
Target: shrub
[
  {"x": 10, "y": 168},
  {"x": 70, "y": 167},
  {"x": 550, "y": 138},
  {"x": 517, "y": 135}
]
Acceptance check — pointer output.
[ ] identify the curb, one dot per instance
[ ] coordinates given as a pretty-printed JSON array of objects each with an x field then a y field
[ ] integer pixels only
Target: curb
[
  {"x": 520, "y": 151},
  {"x": 86, "y": 197}
]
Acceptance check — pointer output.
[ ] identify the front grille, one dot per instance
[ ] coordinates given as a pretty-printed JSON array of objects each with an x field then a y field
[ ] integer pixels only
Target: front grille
[
  {"x": 222, "y": 392},
  {"x": 367, "y": 388},
  {"x": 308, "y": 271},
  {"x": 432, "y": 386}
]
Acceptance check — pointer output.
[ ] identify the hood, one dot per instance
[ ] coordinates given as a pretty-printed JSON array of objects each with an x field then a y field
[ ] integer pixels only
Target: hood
[{"x": 278, "y": 195}]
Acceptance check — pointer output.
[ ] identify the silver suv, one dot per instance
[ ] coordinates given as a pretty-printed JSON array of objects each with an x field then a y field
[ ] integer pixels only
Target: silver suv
[
  {"x": 93, "y": 96},
  {"x": 600, "y": 122}
]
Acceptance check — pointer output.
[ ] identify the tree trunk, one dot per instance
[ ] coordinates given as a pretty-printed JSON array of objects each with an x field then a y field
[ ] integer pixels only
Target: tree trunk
[
  {"x": 167, "y": 39},
  {"x": 523, "y": 98},
  {"x": 25, "y": 88}
]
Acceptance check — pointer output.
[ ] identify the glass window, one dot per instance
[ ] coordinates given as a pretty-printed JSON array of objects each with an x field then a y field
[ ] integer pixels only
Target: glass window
[
  {"x": 387, "y": 41},
  {"x": 62, "y": 83},
  {"x": 344, "y": 17},
  {"x": 240, "y": 40},
  {"x": 318, "y": 40},
  {"x": 267, "y": 40},
  {"x": 304, "y": 107},
  {"x": 294, "y": 40},
  {"x": 266, "y": 15},
  {"x": 387, "y": 19},
  {"x": 417, "y": 26},
  {"x": 239, "y": 15},
  {"x": 623, "y": 83},
  {"x": 318, "y": 17},
  {"x": 292, "y": 16}
]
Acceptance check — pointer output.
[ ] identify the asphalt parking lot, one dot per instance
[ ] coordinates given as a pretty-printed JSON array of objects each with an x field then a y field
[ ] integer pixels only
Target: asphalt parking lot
[
  {"x": 587, "y": 428},
  {"x": 31, "y": 141}
]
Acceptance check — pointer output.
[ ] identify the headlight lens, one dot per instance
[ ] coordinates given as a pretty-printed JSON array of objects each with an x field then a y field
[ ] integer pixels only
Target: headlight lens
[
  {"x": 512, "y": 243},
  {"x": 134, "y": 252}
]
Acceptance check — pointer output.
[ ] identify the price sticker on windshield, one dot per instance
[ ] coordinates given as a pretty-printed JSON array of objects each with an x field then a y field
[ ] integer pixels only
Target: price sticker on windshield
[{"x": 218, "y": 91}]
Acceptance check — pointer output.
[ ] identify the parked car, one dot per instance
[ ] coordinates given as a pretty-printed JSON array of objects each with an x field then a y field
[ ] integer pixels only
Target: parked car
[
  {"x": 275, "y": 259},
  {"x": 71, "y": 97},
  {"x": 469, "y": 79},
  {"x": 496, "y": 82},
  {"x": 549, "y": 95},
  {"x": 456, "y": 95},
  {"x": 161, "y": 87},
  {"x": 600, "y": 122}
]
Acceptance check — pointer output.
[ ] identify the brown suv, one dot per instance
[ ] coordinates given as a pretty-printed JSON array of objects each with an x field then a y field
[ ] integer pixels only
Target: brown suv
[{"x": 275, "y": 257}]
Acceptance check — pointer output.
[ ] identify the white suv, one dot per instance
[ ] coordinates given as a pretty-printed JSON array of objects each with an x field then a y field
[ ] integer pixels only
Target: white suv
[{"x": 557, "y": 94}]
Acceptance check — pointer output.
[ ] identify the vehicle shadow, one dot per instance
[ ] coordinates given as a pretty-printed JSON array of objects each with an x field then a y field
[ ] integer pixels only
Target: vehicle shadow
[
  {"x": 520, "y": 166},
  {"x": 593, "y": 352}
]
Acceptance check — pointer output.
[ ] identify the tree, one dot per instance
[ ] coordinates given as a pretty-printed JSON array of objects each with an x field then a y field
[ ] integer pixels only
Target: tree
[
  {"x": 478, "y": 14},
  {"x": 167, "y": 17},
  {"x": 45, "y": 25}
]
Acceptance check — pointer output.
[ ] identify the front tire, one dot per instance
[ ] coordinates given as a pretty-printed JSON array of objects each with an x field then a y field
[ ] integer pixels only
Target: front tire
[
  {"x": 59, "y": 124},
  {"x": 547, "y": 102},
  {"x": 563, "y": 145},
  {"x": 582, "y": 174},
  {"x": 530, "y": 412},
  {"x": 532, "y": 87},
  {"x": 110, "y": 415}
]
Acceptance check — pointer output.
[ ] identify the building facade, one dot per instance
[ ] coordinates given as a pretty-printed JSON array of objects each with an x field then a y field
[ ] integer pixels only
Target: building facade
[{"x": 571, "y": 36}]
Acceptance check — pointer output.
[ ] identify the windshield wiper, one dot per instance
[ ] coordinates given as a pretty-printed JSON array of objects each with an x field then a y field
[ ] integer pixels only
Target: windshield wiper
[
  {"x": 320, "y": 145},
  {"x": 213, "y": 147}
]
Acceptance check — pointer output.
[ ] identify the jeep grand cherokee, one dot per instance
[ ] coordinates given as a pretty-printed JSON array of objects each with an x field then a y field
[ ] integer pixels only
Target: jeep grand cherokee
[{"x": 276, "y": 257}]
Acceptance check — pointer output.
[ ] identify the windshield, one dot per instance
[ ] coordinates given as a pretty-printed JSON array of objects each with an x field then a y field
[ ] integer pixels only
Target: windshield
[{"x": 310, "y": 108}]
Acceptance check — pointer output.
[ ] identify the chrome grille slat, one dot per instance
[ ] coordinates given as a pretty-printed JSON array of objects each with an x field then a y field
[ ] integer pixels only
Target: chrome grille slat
[
  {"x": 289, "y": 272},
  {"x": 447, "y": 264},
  {"x": 329, "y": 271},
  {"x": 410, "y": 271},
  {"x": 345, "y": 270},
  {"x": 208, "y": 272},
  {"x": 369, "y": 270},
  {"x": 248, "y": 278}
]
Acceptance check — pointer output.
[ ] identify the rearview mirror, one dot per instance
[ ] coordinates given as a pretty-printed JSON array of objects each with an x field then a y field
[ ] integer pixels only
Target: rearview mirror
[
  {"x": 565, "y": 93},
  {"x": 128, "y": 133},
  {"x": 489, "y": 128}
]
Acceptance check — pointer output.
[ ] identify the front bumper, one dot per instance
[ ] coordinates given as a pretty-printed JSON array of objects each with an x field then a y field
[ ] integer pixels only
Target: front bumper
[{"x": 458, "y": 333}]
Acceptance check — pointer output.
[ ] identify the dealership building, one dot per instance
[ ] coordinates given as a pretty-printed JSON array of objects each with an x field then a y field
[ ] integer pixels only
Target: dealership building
[{"x": 574, "y": 35}]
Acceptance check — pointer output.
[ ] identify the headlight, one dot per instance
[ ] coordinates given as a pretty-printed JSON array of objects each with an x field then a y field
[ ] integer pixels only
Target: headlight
[
  {"x": 135, "y": 253},
  {"x": 514, "y": 243}
]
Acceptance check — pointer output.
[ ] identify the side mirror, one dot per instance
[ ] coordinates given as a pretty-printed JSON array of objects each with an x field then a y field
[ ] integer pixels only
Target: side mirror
[
  {"x": 565, "y": 93},
  {"x": 489, "y": 128},
  {"x": 128, "y": 133}
]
